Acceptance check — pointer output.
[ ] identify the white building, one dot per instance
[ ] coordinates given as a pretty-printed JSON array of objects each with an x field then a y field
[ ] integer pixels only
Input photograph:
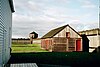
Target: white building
[
  {"x": 6, "y": 10},
  {"x": 94, "y": 38}
]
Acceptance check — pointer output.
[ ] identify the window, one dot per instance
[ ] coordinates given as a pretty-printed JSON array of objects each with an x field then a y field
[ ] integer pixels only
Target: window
[{"x": 67, "y": 34}]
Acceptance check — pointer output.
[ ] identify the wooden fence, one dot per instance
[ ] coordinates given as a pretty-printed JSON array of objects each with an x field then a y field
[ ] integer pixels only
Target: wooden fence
[
  {"x": 71, "y": 44},
  {"x": 20, "y": 41},
  {"x": 59, "y": 44}
]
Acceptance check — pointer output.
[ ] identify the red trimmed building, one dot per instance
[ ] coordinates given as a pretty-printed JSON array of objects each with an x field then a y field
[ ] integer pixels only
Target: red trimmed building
[{"x": 62, "y": 39}]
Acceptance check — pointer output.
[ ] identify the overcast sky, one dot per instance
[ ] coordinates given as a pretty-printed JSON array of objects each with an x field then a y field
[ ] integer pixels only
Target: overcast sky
[{"x": 43, "y": 15}]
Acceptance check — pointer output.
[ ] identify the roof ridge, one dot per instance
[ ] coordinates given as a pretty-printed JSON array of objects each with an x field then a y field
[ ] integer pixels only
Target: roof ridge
[{"x": 60, "y": 27}]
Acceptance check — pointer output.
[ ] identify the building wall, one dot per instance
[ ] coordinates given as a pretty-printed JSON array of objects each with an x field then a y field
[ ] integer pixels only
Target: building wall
[
  {"x": 94, "y": 42},
  {"x": 36, "y": 41},
  {"x": 5, "y": 31},
  {"x": 47, "y": 44},
  {"x": 60, "y": 43},
  {"x": 94, "y": 38},
  {"x": 73, "y": 38}
]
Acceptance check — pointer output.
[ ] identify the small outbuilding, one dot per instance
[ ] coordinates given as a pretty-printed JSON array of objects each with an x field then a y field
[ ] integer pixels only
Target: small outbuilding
[
  {"x": 33, "y": 35},
  {"x": 94, "y": 38},
  {"x": 62, "y": 39}
]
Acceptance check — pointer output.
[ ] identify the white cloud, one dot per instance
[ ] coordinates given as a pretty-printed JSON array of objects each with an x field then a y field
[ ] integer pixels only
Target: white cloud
[
  {"x": 25, "y": 23},
  {"x": 87, "y": 4},
  {"x": 34, "y": 6},
  {"x": 61, "y": 14},
  {"x": 41, "y": 16},
  {"x": 19, "y": 17}
]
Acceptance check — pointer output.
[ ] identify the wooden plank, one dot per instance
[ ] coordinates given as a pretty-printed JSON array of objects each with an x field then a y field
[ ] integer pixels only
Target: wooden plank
[
  {"x": 60, "y": 43},
  {"x": 60, "y": 40},
  {"x": 71, "y": 48},
  {"x": 71, "y": 44},
  {"x": 24, "y": 65}
]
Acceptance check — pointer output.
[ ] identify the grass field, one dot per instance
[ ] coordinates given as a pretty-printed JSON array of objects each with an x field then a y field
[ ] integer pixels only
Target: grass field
[
  {"x": 24, "y": 48},
  {"x": 32, "y": 53}
]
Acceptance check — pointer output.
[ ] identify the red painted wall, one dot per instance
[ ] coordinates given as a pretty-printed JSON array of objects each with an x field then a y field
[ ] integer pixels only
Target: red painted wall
[{"x": 78, "y": 45}]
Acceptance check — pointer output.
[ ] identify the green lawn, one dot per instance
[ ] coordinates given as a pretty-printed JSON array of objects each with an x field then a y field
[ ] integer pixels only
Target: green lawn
[
  {"x": 32, "y": 53},
  {"x": 24, "y": 48}
]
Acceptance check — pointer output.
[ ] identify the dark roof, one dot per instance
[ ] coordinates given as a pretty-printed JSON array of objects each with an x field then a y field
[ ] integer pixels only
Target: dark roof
[
  {"x": 53, "y": 32},
  {"x": 11, "y": 5},
  {"x": 33, "y": 32}
]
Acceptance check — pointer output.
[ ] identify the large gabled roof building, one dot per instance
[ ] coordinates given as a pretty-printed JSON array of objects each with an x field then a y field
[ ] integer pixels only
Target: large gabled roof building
[{"x": 62, "y": 39}]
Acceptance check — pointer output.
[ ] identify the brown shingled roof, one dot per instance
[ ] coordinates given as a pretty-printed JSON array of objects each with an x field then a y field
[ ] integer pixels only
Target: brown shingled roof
[
  {"x": 33, "y": 32},
  {"x": 53, "y": 32}
]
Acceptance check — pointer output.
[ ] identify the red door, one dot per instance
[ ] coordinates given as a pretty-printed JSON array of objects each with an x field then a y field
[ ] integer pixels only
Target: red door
[{"x": 78, "y": 45}]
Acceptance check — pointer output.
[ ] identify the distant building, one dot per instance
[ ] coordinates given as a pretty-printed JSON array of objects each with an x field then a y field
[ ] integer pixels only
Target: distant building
[
  {"x": 62, "y": 39},
  {"x": 6, "y": 10},
  {"x": 33, "y": 35},
  {"x": 94, "y": 38}
]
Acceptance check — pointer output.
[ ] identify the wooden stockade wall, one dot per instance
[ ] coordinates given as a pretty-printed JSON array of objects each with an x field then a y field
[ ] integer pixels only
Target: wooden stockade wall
[
  {"x": 47, "y": 44},
  {"x": 20, "y": 41},
  {"x": 71, "y": 44},
  {"x": 59, "y": 44}
]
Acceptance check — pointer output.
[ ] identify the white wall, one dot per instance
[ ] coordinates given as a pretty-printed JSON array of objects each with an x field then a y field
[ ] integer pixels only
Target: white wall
[
  {"x": 36, "y": 41},
  {"x": 6, "y": 21},
  {"x": 94, "y": 41}
]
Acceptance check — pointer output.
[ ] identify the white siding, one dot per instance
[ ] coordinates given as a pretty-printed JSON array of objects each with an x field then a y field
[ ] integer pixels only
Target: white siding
[
  {"x": 94, "y": 38},
  {"x": 24, "y": 65},
  {"x": 5, "y": 36},
  {"x": 94, "y": 41},
  {"x": 1, "y": 44},
  {"x": 36, "y": 41}
]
